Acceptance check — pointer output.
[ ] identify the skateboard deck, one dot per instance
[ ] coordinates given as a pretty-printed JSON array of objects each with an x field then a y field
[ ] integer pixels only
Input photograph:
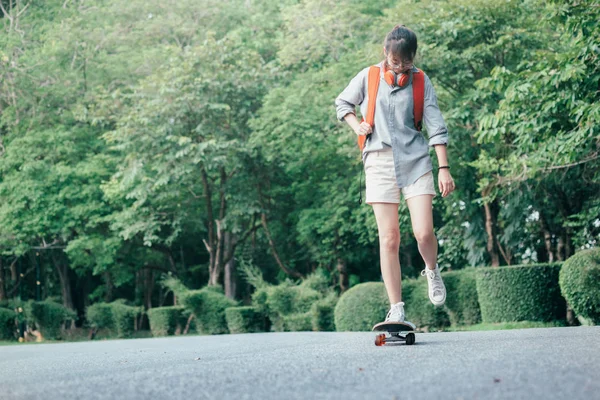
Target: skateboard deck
[{"x": 398, "y": 332}]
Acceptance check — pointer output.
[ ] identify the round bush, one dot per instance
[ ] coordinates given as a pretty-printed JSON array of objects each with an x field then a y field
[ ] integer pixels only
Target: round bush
[
  {"x": 580, "y": 284},
  {"x": 164, "y": 320},
  {"x": 361, "y": 307},
  {"x": 462, "y": 303},
  {"x": 7, "y": 324},
  {"x": 244, "y": 320},
  {"x": 520, "y": 293}
]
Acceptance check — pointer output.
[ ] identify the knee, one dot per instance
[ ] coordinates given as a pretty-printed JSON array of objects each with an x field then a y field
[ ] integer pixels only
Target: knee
[
  {"x": 389, "y": 241},
  {"x": 426, "y": 236}
]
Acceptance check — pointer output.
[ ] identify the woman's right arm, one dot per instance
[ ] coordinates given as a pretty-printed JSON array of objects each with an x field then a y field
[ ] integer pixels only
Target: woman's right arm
[{"x": 347, "y": 101}]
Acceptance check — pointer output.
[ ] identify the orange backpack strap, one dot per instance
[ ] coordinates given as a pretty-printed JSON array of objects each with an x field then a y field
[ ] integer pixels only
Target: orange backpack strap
[
  {"x": 418, "y": 84},
  {"x": 373, "y": 87}
]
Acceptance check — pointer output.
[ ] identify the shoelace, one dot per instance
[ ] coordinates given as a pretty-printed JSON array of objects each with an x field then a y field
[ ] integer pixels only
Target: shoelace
[
  {"x": 436, "y": 281},
  {"x": 394, "y": 308}
]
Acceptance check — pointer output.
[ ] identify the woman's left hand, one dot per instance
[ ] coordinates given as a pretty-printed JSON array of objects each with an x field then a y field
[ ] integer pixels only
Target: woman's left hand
[{"x": 445, "y": 182}]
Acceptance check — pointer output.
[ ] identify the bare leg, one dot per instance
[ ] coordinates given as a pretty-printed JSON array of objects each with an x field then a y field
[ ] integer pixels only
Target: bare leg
[
  {"x": 386, "y": 215},
  {"x": 421, "y": 217}
]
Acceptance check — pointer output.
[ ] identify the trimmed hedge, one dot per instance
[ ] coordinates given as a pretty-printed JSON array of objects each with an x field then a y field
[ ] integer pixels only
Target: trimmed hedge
[
  {"x": 209, "y": 305},
  {"x": 580, "y": 284},
  {"x": 418, "y": 308},
  {"x": 164, "y": 320},
  {"x": 49, "y": 317},
  {"x": 245, "y": 319},
  {"x": 520, "y": 293},
  {"x": 100, "y": 316},
  {"x": 7, "y": 324},
  {"x": 124, "y": 318},
  {"x": 462, "y": 303},
  {"x": 116, "y": 316}
]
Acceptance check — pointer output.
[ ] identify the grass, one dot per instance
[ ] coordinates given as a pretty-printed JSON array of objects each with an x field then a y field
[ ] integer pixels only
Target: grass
[{"x": 506, "y": 325}]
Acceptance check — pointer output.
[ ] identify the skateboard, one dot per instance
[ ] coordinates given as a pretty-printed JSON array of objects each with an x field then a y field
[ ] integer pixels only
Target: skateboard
[{"x": 399, "y": 332}]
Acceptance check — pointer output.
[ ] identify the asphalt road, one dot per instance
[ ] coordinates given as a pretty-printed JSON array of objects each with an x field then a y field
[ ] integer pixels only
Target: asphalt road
[{"x": 550, "y": 363}]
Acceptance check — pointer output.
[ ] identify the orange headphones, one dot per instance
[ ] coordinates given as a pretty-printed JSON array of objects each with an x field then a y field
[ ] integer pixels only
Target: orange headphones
[{"x": 393, "y": 79}]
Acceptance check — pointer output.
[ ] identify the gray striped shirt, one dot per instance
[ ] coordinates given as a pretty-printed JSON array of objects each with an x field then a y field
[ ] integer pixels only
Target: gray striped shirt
[{"x": 394, "y": 123}]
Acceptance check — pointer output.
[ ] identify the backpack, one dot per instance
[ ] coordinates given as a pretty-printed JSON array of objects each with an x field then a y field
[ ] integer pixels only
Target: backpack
[{"x": 418, "y": 84}]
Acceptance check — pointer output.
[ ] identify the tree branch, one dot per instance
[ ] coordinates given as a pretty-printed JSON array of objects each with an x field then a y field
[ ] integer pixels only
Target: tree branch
[
  {"x": 590, "y": 158},
  {"x": 275, "y": 254}
]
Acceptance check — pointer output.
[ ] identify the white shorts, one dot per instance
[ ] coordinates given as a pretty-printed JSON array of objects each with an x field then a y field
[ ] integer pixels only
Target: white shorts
[{"x": 381, "y": 180}]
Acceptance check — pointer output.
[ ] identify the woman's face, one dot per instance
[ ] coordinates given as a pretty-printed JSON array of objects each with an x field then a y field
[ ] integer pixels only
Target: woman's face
[{"x": 396, "y": 64}]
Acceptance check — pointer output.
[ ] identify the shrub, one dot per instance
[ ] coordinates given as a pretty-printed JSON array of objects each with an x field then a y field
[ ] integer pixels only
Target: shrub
[
  {"x": 318, "y": 281},
  {"x": 260, "y": 298},
  {"x": 245, "y": 320},
  {"x": 298, "y": 322},
  {"x": 520, "y": 293},
  {"x": 322, "y": 313},
  {"x": 367, "y": 304},
  {"x": 286, "y": 302},
  {"x": 280, "y": 298},
  {"x": 361, "y": 307},
  {"x": 100, "y": 316},
  {"x": 124, "y": 317},
  {"x": 174, "y": 285},
  {"x": 462, "y": 303},
  {"x": 580, "y": 284},
  {"x": 305, "y": 297},
  {"x": 419, "y": 309},
  {"x": 164, "y": 320},
  {"x": 7, "y": 324},
  {"x": 49, "y": 317},
  {"x": 209, "y": 306}
]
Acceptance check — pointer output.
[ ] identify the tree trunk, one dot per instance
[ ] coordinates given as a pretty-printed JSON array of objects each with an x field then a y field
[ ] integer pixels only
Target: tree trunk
[
  {"x": 108, "y": 293},
  {"x": 65, "y": 281},
  {"x": 148, "y": 288},
  {"x": 547, "y": 238},
  {"x": 230, "y": 279},
  {"x": 342, "y": 269},
  {"x": 568, "y": 243},
  {"x": 14, "y": 274},
  {"x": 560, "y": 247},
  {"x": 2, "y": 282},
  {"x": 490, "y": 228}
]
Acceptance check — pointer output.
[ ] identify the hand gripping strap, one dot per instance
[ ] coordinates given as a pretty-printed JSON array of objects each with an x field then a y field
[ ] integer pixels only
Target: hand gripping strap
[{"x": 373, "y": 87}]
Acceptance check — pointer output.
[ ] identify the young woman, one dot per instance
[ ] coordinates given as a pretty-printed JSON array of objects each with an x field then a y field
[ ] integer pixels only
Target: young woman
[{"x": 396, "y": 159}]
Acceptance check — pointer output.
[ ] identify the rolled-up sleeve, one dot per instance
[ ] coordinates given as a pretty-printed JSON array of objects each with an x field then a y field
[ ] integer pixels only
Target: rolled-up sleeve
[
  {"x": 352, "y": 96},
  {"x": 432, "y": 116}
]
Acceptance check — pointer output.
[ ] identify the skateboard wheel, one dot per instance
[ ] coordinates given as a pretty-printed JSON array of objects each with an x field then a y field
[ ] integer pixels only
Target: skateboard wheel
[
  {"x": 410, "y": 338},
  {"x": 380, "y": 340}
]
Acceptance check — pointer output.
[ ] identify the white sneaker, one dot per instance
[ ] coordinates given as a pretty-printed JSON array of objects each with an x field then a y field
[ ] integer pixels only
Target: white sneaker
[
  {"x": 437, "y": 290},
  {"x": 396, "y": 314}
]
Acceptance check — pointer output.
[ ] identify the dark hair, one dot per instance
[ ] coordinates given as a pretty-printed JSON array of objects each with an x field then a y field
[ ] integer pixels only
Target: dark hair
[{"x": 401, "y": 42}]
